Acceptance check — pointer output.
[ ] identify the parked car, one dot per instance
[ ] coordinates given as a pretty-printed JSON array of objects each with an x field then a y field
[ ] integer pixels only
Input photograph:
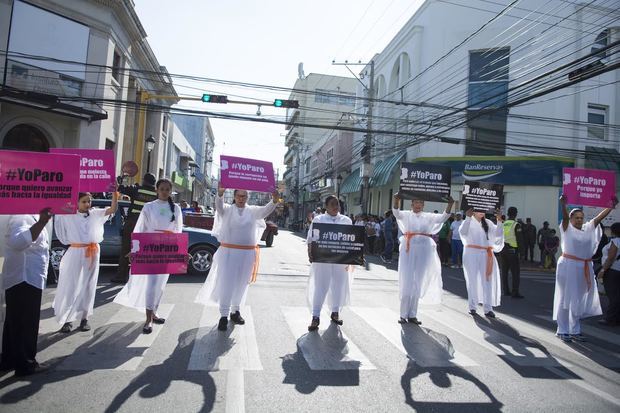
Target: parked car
[{"x": 202, "y": 244}]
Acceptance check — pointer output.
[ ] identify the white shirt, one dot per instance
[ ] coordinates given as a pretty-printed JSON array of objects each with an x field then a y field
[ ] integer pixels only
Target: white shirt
[
  {"x": 26, "y": 259},
  {"x": 616, "y": 263},
  {"x": 454, "y": 227}
]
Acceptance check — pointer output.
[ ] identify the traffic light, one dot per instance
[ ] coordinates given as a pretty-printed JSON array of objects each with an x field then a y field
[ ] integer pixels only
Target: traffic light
[
  {"x": 214, "y": 98},
  {"x": 281, "y": 103}
]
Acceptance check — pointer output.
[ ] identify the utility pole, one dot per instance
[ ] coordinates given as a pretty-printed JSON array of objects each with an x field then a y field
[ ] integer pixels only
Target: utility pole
[{"x": 366, "y": 170}]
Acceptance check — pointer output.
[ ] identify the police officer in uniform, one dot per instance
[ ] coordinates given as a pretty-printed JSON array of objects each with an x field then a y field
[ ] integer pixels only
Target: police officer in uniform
[
  {"x": 140, "y": 195},
  {"x": 509, "y": 256}
]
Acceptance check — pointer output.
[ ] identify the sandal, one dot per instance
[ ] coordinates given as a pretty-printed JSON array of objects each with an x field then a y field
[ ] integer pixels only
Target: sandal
[
  {"x": 147, "y": 329},
  {"x": 335, "y": 319},
  {"x": 414, "y": 320},
  {"x": 402, "y": 321},
  {"x": 84, "y": 326},
  {"x": 158, "y": 320}
]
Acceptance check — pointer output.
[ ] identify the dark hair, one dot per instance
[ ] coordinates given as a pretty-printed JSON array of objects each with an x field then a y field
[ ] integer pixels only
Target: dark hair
[
  {"x": 329, "y": 198},
  {"x": 82, "y": 195},
  {"x": 170, "y": 202},
  {"x": 512, "y": 212},
  {"x": 149, "y": 179},
  {"x": 388, "y": 213},
  {"x": 485, "y": 226},
  {"x": 615, "y": 229},
  {"x": 195, "y": 202}
]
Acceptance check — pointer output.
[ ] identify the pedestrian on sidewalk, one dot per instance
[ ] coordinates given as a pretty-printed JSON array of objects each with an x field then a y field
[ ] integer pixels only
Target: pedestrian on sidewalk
[
  {"x": 576, "y": 295},
  {"x": 481, "y": 237},
  {"x": 79, "y": 267},
  {"x": 529, "y": 237},
  {"x": 144, "y": 291},
  {"x": 552, "y": 243},
  {"x": 541, "y": 237},
  {"x": 610, "y": 275},
  {"x": 388, "y": 235},
  {"x": 456, "y": 244},
  {"x": 331, "y": 281},
  {"x": 419, "y": 268},
  {"x": 509, "y": 256},
  {"x": 444, "y": 243},
  {"x": 24, "y": 275},
  {"x": 238, "y": 227}
]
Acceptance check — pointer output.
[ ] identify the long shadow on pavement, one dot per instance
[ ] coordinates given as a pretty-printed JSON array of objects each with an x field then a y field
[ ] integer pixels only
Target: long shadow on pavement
[{"x": 427, "y": 347}]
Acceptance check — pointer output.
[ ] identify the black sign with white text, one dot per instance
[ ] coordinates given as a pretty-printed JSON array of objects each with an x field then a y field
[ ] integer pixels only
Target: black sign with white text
[
  {"x": 481, "y": 196},
  {"x": 425, "y": 182},
  {"x": 338, "y": 244}
]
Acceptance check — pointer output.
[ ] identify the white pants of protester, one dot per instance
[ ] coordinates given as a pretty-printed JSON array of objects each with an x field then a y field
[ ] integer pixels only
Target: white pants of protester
[
  {"x": 329, "y": 281},
  {"x": 479, "y": 289},
  {"x": 143, "y": 291}
]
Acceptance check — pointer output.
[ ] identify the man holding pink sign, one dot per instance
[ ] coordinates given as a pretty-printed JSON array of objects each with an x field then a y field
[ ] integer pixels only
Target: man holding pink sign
[{"x": 235, "y": 264}]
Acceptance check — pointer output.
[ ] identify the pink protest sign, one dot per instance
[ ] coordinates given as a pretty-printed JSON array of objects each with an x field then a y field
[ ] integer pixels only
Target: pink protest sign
[
  {"x": 158, "y": 253},
  {"x": 590, "y": 187},
  {"x": 31, "y": 181},
  {"x": 243, "y": 173},
  {"x": 97, "y": 168}
]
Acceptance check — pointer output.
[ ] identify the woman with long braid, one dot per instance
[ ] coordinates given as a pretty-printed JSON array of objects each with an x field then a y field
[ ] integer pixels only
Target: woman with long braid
[
  {"x": 481, "y": 238},
  {"x": 145, "y": 291}
]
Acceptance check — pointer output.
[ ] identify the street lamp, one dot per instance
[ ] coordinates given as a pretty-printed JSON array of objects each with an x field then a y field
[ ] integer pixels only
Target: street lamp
[
  {"x": 150, "y": 145},
  {"x": 191, "y": 167}
]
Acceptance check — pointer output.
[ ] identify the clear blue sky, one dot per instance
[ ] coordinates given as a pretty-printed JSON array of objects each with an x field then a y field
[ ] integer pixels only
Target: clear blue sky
[{"x": 263, "y": 42}]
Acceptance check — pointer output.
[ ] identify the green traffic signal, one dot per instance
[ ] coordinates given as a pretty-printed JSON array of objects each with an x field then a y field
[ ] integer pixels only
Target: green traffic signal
[
  {"x": 283, "y": 103},
  {"x": 214, "y": 98},
  {"x": 277, "y": 103}
]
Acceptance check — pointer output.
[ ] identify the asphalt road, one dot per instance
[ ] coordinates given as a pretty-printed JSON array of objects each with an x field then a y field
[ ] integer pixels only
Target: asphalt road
[{"x": 453, "y": 362}]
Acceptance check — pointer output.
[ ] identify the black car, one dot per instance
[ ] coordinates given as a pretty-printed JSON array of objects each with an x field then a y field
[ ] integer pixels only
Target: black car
[{"x": 202, "y": 244}]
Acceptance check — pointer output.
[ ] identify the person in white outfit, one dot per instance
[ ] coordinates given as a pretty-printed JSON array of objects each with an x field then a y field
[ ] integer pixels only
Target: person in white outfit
[
  {"x": 576, "y": 295},
  {"x": 331, "y": 281},
  {"x": 481, "y": 238},
  {"x": 235, "y": 264},
  {"x": 144, "y": 291},
  {"x": 419, "y": 268},
  {"x": 79, "y": 267}
]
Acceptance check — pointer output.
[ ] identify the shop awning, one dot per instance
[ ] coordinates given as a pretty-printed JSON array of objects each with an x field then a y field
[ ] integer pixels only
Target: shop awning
[
  {"x": 383, "y": 170},
  {"x": 602, "y": 158},
  {"x": 352, "y": 182}
]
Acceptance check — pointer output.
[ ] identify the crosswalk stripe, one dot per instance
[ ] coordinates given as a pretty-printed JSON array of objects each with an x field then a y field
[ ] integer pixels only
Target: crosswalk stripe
[
  {"x": 421, "y": 344},
  {"x": 118, "y": 344},
  {"x": 590, "y": 331},
  {"x": 327, "y": 349},
  {"x": 500, "y": 344},
  {"x": 233, "y": 349}
]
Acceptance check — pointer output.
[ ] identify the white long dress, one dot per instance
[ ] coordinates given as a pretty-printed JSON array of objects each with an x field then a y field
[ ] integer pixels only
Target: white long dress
[
  {"x": 231, "y": 271},
  {"x": 419, "y": 269},
  {"x": 572, "y": 300},
  {"x": 331, "y": 280},
  {"x": 481, "y": 290},
  {"x": 77, "y": 279},
  {"x": 144, "y": 291}
]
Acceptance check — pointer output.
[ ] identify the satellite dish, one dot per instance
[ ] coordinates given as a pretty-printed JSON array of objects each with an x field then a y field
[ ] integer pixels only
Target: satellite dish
[
  {"x": 130, "y": 168},
  {"x": 300, "y": 71}
]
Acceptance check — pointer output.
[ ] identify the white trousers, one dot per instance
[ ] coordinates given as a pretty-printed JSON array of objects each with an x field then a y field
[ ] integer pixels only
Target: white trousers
[
  {"x": 326, "y": 282},
  {"x": 409, "y": 306},
  {"x": 567, "y": 322}
]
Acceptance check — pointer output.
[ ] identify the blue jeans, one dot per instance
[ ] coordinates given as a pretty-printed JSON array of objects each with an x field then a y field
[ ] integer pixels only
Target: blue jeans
[
  {"x": 457, "y": 252},
  {"x": 389, "y": 247}
]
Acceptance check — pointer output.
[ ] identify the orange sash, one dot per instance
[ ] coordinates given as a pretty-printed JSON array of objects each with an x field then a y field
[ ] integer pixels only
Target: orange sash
[
  {"x": 586, "y": 272},
  {"x": 409, "y": 235},
  {"x": 247, "y": 247},
  {"x": 489, "y": 250},
  {"x": 91, "y": 251}
]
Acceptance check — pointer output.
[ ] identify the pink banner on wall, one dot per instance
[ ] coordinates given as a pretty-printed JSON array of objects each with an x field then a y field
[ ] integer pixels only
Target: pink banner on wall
[
  {"x": 97, "y": 168},
  {"x": 31, "y": 181},
  {"x": 590, "y": 187},
  {"x": 244, "y": 173},
  {"x": 158, "y": 253}
]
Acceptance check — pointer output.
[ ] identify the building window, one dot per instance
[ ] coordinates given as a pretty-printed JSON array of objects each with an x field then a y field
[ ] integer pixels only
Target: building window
[
  {"x": 329, "y": 159},
  {"x": 488, "y": 78},
  {"x": 315, "y": 167},
  {"x": 597, "y": 116},
  {"x": 164, "y": 124},
  {"x": 116, "y": 66},
  {"x": 601, "y": 41},
  {"x": 307, "y": 165}
]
